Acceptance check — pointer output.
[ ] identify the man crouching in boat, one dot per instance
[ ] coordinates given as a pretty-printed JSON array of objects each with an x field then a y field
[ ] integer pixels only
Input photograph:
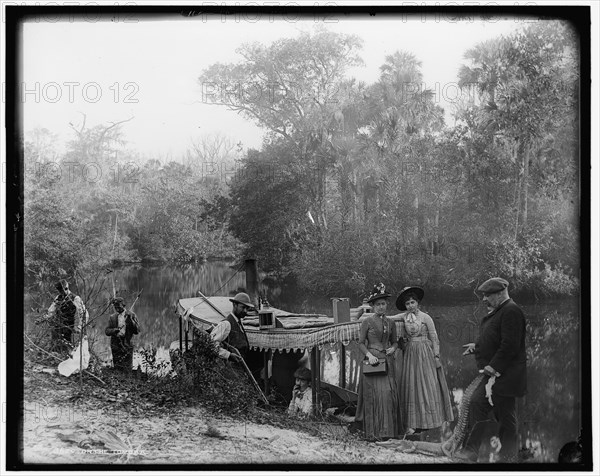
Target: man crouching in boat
[{"x": 231, "y": 331}]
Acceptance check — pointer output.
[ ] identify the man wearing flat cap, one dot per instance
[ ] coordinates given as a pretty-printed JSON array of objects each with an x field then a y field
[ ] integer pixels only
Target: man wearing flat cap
[
  {"x": 500, "y": 356},
  {"x": 231, "y": 331},
  {"x": 122, "y": 325}
]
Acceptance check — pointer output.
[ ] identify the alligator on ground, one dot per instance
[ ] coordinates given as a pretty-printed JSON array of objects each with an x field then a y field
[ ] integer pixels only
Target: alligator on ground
[{"x": 454, "y": 443}]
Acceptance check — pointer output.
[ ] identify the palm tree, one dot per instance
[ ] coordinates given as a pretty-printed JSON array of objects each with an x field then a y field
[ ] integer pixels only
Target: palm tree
[{"x": 401, "y": 113}]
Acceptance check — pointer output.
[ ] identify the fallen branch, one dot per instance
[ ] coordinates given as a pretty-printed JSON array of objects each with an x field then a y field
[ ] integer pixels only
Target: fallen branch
[{"x": 60, "y": 359}]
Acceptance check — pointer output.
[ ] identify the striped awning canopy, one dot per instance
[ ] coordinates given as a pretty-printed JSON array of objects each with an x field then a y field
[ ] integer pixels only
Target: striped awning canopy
[{"x": 298, "y": 331}]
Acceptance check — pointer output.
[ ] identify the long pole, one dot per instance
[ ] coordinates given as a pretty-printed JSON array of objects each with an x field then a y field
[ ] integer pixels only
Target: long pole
[
  {"x": 236, "y": 351},
  {"x": 112, "y": 264},
  {"x": 136, "y": 298},
  {"x": 315, "y": 367},
  {"x": 342, "y": 365},
  {"x": 180, "y": 334}
]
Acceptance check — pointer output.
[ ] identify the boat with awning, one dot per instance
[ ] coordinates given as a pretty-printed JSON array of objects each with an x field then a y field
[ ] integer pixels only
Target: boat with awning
[{"x": 293, "y": 333}]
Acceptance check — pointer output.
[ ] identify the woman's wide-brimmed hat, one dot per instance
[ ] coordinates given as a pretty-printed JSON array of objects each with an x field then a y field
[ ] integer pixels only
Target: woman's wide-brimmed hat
[
  {"x": 378, "y": 292},
  {"x": 417, "y": 291}
]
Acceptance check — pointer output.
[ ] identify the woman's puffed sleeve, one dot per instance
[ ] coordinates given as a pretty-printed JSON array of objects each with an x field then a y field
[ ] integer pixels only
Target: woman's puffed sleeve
[
  {"x": 362, "y": 339},
  {"x": 431, "y": 333},
  {"x": 393, "y": 332},
  {"x": 364, "y": 330}
]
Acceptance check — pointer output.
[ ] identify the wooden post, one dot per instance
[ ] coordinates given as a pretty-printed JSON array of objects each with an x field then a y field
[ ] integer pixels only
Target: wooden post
[
  {"x": 266, "y": 370},
  {"x": 180, "y": 334},
  {"x": 342, "y": 366},
  {"x": 252, "y": 279},
  {"x": 313, "y": 383},
  {"x": 519, "y": 405},
  {"x": 187, "y": 327},
  {"x": 318, "y": 381},
  {"x": 315, "y": 367}
]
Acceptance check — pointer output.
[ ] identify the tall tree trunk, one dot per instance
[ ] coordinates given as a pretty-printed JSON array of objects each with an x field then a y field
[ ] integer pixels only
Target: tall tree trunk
[
  {"x": 354, "y": 197},
  {"x": 365, "y": 206},
  {"x": 525, "y": 186},
  {"x": 377, "y": 207},
  {"x": 436, "y": 236},
  {"x": 344, "y": 206},
  {"x": 115, "y": 238},
  {"x": 324, "y": 199},
  {"x": 419, "y": 221},
  {"x": 518, "y": 187}
]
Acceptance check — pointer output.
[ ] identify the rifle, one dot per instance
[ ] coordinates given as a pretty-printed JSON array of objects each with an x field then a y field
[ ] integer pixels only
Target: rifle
[
  {"x": 236, "y": 351},
  {"x": 136, "y": 298},
  {"x": 131, "y": 308}
]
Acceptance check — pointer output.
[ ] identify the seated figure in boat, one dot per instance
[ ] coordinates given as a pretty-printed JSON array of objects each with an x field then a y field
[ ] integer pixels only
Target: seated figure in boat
[{"x": 301, "y": 403}]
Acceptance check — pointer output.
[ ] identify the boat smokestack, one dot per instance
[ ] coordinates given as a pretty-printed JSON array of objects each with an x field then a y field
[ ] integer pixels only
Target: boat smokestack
[{"x": 252, "y": 280}]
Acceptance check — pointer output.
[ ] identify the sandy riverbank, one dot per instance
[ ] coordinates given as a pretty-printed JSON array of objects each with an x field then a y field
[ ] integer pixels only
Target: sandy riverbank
[{"x": 68, "y": 424}]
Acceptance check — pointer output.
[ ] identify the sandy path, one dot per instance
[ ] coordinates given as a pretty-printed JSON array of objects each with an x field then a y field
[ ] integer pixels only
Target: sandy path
[
  {"x": 62, "y": 426},
  {"x": 55, "y": 434}
]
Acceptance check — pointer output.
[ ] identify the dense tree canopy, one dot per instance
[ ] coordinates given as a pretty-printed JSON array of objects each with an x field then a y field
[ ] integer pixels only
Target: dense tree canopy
[
  {"x": 354, "y": 183},
  {"x": 97, "y": 204},
  {"x": 390, "y": 192}
]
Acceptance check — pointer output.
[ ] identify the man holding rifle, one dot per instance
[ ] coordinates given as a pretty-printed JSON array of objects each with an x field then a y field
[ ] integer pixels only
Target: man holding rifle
[
  {"x": 122, "y": 325},
  {"x": 67, "y": 316}
]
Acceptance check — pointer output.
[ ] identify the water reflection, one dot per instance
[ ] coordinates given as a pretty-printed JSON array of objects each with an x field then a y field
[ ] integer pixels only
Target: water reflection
[
  {"x": 549, "y": 415},
  {"x": 162, "y": 287}
]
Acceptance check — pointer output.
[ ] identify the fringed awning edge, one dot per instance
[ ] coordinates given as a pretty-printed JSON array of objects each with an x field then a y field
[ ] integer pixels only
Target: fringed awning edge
[{"x": 296, "y": 340}]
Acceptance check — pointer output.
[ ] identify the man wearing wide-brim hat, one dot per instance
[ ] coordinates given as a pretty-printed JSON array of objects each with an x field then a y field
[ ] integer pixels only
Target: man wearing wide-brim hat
[
  {"x": 500, "y": 356},
  {"x": 231, "y": 329}
]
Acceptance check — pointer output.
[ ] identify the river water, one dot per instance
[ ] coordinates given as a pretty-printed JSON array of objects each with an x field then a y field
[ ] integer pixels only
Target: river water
[{"x": 549, "y": 416}]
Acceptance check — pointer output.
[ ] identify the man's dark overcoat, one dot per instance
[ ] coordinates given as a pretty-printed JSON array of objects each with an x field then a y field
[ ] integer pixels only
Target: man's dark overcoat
[{"x": 501, "y": 345}]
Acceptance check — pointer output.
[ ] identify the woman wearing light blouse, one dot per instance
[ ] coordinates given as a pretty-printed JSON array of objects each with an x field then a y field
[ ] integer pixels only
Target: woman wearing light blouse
[{"x": 425, "y": 399}]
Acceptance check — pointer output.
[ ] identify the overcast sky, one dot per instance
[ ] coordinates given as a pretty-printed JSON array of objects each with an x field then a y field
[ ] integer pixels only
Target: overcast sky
[{"x": 113, "y": 70}]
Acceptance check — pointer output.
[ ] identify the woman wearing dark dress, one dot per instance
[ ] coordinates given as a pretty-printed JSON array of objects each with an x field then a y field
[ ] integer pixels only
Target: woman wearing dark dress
[
  {"x": 377, "y": 393},
  {"x": 424, "y": 395}
]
